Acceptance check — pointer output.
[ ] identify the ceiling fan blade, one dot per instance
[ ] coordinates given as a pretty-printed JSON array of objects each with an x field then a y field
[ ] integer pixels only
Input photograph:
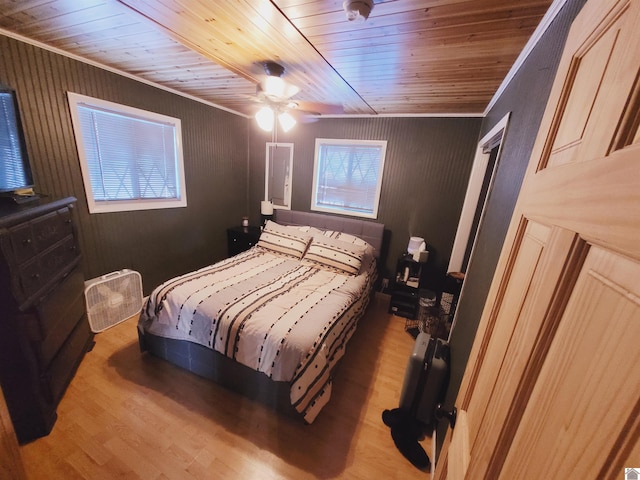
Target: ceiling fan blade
[{"x": 303, "y": 117}]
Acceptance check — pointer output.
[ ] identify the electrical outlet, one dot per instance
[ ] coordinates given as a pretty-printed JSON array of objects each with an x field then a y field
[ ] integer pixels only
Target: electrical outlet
[{"x": 385, "y": 283}]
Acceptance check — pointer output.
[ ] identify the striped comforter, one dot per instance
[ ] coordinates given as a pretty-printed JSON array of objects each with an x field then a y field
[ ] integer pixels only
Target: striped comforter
[{"x": 274, "y": 313}]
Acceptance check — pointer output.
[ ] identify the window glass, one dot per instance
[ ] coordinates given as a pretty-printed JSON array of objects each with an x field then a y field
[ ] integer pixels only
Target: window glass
[
  {"x": 131, "y": 159},
  {"x": 15, "y": 172},
  {"x": 348, "y": 176}
]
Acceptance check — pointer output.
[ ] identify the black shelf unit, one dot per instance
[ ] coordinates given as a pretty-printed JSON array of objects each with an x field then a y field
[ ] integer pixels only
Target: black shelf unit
[
  {"x": 404, "y": 301},
  {"x": 405, "y": 289}
]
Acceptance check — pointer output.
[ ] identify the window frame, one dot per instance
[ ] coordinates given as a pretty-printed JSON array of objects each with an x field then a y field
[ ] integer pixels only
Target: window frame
[
  {"x": 108, "y": 206},
  {"x": 382, "y": 144},
  {"x": 268, "y": 173}
]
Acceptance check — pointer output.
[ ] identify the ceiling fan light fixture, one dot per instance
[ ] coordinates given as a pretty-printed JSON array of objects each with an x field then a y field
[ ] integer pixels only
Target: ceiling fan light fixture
[
  {"x": 265, "y": 118},
  {"x": 274, "y": 86},
  {"x": 286, "y": 121},
  {"x": 357, "y": 10}
]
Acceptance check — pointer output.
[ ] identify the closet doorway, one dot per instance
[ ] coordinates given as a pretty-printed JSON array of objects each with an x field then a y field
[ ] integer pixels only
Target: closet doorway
[{"x": 480, "y": 182}]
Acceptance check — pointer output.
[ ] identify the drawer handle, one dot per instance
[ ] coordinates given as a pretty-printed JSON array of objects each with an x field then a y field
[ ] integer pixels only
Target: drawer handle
[
  {"x": 26, "y": 241},
  {"x": 35, "y": 276}
]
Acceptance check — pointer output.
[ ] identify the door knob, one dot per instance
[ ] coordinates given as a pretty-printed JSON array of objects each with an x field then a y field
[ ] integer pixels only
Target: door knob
[{"x": 450, "y": 415}]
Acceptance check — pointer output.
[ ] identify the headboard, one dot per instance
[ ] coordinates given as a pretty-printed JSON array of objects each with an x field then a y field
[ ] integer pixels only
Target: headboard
[{"x": 371, "y": 232}]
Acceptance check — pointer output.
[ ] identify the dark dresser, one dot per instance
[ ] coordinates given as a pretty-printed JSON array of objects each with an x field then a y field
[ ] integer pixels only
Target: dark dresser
[{"x": 44, "y": 332}]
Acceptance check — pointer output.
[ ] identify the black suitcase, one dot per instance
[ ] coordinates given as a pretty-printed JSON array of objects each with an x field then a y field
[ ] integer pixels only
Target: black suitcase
[{"x": 426, "y": 378}]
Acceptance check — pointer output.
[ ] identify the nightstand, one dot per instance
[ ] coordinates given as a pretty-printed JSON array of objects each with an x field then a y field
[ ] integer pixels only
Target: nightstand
[
  {"x": 240, "y": 239},
  {"x": 405, "y": 293},
  {"x": 404, "y": 301}
]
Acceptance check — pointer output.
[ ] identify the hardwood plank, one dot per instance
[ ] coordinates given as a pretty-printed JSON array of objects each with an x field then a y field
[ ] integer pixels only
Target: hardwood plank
[
  {"x": 131, "y": 415},
  {"x": 420, "y": 43},
  {"x": 10, "y": 461}
]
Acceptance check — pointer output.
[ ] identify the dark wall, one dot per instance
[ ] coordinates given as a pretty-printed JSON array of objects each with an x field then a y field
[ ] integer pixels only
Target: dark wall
[
  {"x": 158, "y": 243},
  {"x": 525, "y": 97},
  {"x": 427, "y": 166},
  {"x": 426, "y": 170}
]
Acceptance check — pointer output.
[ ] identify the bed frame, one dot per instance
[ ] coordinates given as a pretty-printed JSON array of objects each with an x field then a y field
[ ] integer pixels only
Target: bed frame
[{"x": 215, "y": 366}]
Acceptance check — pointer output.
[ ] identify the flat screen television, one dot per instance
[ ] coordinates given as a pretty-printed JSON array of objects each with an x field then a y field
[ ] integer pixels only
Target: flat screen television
[{"x": 15, "y": 170}]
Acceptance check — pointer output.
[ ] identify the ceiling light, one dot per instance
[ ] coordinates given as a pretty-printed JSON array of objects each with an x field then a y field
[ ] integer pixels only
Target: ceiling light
[
  {"x": 274, "y": 86},
  {"x": 286, "y": 121},
  {"x": 265, "y": 118},
  {"x": 357, "y": 10}
]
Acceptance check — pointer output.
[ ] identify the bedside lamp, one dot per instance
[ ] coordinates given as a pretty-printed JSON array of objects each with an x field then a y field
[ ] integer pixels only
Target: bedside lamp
[{"x": 266, "y": 211}]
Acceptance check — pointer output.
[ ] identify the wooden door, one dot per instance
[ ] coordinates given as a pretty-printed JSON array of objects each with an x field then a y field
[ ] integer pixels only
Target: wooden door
[{"x": 552, "y": 387}]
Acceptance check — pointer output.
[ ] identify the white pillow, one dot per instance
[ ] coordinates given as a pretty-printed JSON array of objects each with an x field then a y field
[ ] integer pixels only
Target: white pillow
[
  {"x": 342, "y": 256},
  {"x": 282, "y": 239}
]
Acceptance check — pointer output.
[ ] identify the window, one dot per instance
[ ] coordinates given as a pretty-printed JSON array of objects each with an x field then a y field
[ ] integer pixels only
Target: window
[
  {"x": 347, "y": 176},
  {"x": 15, "y": 172},
  {"x": 131, "y": 159}
]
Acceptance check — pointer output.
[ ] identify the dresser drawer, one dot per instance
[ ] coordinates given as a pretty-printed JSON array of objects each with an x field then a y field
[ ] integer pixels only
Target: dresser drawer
[
  {"x": 56, "y": 329},
  {"x": 37, "y": 235},
  {"x": 59, "y": 332},
  {"x": 66, "y": 362},
  {"x": 21, "y": 244},
  {"x": 49, "y": 265},
  {"x": 56, "y": 306},
  {"x": 51, "y": 228}
]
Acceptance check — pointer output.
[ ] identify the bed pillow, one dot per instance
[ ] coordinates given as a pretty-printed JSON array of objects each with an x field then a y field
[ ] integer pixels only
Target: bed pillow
[
  {"x": 370, "y": 252},
  {"x": 343, "y": 256},
  {"x": 282, "y": 239},
  {"x": 347, "y": 237},
  {"x": 311, "y": 231}
]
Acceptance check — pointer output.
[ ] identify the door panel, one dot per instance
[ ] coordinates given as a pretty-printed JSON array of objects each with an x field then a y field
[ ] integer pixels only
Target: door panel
[
  {"x": 550, "y": 389},
  {"x": 525, "y": 315},
  {"x": 460, "y": 451},
  {"x": 525, "y": 334},
  {"x": 586, "y": 76},
  {"x": 584, "y": 98},
  {"x": 589, "y": 381},
  {"x": 509, "y": 305}
]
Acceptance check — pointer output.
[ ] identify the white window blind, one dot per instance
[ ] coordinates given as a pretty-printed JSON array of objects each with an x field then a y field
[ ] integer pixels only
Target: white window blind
[
  {"x": 15, "y": 172},
  {"x": 348, "y": 176},
  {"x": 131, "y": 159}
]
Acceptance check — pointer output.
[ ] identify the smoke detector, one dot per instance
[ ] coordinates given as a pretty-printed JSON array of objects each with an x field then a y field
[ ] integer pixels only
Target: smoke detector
[{"x": 357, "y": 10}]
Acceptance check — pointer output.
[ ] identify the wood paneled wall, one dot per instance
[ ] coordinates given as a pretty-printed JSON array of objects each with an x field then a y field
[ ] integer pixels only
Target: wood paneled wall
[
  {"x": 426, "y": 171},
  {"x": 158, "y": 243}
]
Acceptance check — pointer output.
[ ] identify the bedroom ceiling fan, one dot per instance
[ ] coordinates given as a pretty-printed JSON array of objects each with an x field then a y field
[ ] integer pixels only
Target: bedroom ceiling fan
[{"x": 276, "y": 93}]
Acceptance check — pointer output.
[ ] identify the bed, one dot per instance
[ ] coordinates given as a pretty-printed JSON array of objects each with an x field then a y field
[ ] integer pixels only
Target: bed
[{"x": 272, "y": 322}]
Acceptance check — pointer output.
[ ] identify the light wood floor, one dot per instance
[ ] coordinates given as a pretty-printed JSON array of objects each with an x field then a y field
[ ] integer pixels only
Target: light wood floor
[{"x": 131, "y": 415}]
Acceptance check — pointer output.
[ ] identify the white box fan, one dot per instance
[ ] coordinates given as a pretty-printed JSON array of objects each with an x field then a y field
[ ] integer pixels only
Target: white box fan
[{"x": 112, "y": 298}]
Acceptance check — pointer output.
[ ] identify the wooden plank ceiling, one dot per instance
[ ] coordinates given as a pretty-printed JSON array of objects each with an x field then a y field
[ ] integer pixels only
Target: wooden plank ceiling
[{"x": 410, "y": 57}]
